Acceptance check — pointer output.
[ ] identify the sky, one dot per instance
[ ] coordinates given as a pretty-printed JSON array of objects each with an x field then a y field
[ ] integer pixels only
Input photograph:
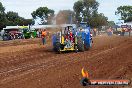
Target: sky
[{"x": 26, "y": 7}]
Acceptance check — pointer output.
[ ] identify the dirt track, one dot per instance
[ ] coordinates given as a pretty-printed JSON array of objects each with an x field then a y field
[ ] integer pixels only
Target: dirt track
[{"x": 28, "y": 64}]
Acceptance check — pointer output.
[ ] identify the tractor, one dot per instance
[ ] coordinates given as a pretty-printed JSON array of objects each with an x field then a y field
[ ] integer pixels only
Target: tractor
[
  {"x": 11, "y": 34},
  {"x": 72, "y": 39},
  {"x": 28, "y": 33}
]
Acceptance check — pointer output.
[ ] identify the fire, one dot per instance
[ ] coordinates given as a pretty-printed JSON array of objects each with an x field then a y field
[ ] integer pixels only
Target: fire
[{"x": 84, "y": 73}]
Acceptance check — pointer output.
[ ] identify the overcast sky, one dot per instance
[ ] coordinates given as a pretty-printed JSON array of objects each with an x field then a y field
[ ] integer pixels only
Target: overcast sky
[{"x": 26, "y": 7}]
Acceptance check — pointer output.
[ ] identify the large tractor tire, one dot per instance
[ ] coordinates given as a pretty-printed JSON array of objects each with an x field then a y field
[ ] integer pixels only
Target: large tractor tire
[
  {"x": 80, "y": 44},
  {"x": 57, "y": 47},
  {"x": 87, "y": 47}
]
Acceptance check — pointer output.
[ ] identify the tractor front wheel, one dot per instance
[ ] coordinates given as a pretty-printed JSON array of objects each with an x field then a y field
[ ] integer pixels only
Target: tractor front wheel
[
  {"x": 76, "y": 50},
  {"x": 57, "y": 47}
]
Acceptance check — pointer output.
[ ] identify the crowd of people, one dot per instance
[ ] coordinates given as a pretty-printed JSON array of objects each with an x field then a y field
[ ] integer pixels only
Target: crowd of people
[{"x": 110, "y": 31}]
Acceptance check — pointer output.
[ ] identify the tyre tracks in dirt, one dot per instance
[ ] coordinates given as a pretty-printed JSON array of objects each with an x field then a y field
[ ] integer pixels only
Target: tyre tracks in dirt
[
  {"x": 47, "y": 59},
  {"x": 53, "y": 62}
]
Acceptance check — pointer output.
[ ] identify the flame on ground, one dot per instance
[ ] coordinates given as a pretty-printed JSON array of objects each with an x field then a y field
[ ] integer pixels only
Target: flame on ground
[{"x": 84, "y": 73}]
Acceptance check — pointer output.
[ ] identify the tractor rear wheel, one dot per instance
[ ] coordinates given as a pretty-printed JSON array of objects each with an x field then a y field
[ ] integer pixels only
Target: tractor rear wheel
[
  {"x": 88, "y": 46},
  {"x": 80, "y": 44}
]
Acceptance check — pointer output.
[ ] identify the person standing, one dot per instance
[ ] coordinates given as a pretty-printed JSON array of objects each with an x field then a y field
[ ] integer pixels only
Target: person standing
[
  {"x": 43, "y": 36},
  {"x": 123, "y": 31},
  {"x": 94, "y": 32},
  {"x": 109, "y": 31},
  {"x": 129, "y": 30},
  {"x": 38, "y": 34}
]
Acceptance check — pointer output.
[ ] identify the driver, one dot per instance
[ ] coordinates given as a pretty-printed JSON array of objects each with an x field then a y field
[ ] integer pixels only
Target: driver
[{"x": 71, "y": 35}]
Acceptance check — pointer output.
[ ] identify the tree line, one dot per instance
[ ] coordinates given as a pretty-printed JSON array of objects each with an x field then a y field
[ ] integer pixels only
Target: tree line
[
  {"x": 83, "y": 10},
  {"x": 12, "y": 18}
]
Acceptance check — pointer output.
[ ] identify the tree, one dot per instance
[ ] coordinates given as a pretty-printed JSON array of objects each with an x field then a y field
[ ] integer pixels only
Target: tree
[
  {"x": 125, "y": 12},
  {"x": 98, "y": 20},
  {"x": 87, "y": 11},
  {"x": 3, "y": 19},
  {"x": 12, "y": 17},
  {"x": 111, "y": 23},
  {"x": 28, "y": 22},
  {"x": 44, "y": 14},
  {"x": 78, "y": 8},
  {"x": 65, "y": 16}
]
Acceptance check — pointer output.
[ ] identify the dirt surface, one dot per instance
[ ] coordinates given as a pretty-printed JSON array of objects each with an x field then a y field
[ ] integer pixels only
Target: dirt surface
[{"x": 28, "y": 64}]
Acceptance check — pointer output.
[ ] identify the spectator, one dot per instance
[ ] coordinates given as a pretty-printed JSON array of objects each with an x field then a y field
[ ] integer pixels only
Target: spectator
[
  {"x": 43, "y": 36},
  {"x": 38, "y": 34},
  {"x": 123, "y": 31},
  {"x": 94, "y": 32},
  {"x": 109, "y": 31}
]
